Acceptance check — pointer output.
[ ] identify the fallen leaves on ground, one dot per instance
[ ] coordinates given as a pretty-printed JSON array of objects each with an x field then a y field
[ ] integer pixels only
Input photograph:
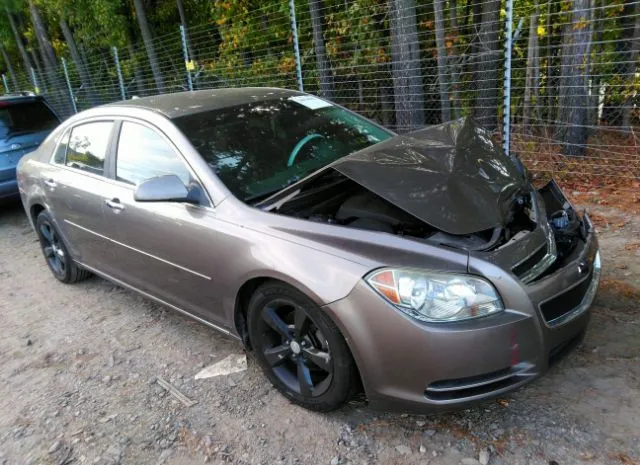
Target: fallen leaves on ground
[
  {"x": 608, "y": 173},
  {"x": 620, "y": 288}
]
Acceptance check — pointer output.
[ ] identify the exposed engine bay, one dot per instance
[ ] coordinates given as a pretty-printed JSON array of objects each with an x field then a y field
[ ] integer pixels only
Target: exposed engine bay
[
  {"x": 447, "y": 185},
  {"x": 333, "y": 198},
  {"x": 336, "y": 199}
]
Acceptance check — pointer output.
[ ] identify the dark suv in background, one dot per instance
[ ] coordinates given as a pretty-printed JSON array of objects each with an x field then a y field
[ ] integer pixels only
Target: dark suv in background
[{"x": 25, "y": 121}]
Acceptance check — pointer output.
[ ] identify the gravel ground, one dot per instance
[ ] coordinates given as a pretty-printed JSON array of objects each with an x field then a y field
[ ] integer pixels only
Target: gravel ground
[{"x": 78, "y": 366}]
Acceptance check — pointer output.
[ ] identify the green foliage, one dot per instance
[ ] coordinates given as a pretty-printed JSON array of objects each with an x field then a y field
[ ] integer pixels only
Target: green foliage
[{"x": 244, "y": 41}]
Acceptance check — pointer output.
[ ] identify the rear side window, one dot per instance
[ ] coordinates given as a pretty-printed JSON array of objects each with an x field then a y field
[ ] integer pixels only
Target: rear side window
[
  {"x": 26, "y": 118},
  {"x": 144, "y": 154},
  {"x": 88, "y": 146}
]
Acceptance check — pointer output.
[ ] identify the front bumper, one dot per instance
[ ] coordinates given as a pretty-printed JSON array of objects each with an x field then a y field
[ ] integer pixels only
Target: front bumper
[{"x": 407, "y": 364}]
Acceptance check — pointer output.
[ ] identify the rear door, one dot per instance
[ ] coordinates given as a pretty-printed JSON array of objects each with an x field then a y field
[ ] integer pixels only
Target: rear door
[
  {"x": 74, "y": 182},
  {"x": 165, "y": 248}
]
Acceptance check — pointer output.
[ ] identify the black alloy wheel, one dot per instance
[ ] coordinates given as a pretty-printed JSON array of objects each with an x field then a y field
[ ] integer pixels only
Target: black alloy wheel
[
  {"x": 56, "y": 253},
  {"x": 52, "y": 248},
  {"x": 300, "y": 348}
]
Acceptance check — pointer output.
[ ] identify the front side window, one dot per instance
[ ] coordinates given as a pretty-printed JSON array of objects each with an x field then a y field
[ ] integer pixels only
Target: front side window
[
  {"x": 88, "y": 146},
  {"x": 144, "y": 154},
  {"x": 261, "y": 147}
]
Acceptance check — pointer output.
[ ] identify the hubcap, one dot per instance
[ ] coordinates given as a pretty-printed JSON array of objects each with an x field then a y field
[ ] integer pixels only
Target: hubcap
[{"x": 295, "y": 348}]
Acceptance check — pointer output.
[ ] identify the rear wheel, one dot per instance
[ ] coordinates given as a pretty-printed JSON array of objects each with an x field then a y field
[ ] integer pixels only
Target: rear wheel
[
  {"x": 300, "y": 349},
  {"x": 55, "y": 252}
]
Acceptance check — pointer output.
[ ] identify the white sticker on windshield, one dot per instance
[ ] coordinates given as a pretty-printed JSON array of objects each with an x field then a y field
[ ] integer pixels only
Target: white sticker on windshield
[{"x": 311, "y": 102}]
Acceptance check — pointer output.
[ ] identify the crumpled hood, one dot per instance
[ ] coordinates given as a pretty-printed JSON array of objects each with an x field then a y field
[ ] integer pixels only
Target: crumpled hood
[{"x": 451, "y": 176}]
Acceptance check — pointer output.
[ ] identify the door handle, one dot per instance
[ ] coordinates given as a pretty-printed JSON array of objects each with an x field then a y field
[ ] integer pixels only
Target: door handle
[
  {"x": 114, "y": 204},
  {"x": 50, "y": 182}
]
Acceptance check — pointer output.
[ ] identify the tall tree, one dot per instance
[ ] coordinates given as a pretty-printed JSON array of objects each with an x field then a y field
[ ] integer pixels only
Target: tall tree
[
  {"x": 42, "y": 36},
  {"x": 454, "y": 61},
  {"x": 487, "y": 64},
  {"x": 573, "y": 98},
  {"x": 323, "y": 66},
  {"x": 532, "y": 80},
  {"x": 443, "y": 66},
  {"x": 630, "y": 59},
  {"x": 405, "y": 66},
  {"x": 183, "y": 21},
  {"x": 19, "y": 43},
  {"x": 81, "y": 66},
  {"x": 12, "y": 73},
  {"x": 37, "y": 71},
  {"x": 148, "y": 44}
]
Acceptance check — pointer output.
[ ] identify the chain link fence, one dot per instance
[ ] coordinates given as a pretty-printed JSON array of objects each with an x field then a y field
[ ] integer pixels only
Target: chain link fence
[{"x": 557, "y": 82}]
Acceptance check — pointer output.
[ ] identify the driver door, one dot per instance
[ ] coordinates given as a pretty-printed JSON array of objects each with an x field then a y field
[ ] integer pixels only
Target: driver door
[{"x": 164, "y": 248}]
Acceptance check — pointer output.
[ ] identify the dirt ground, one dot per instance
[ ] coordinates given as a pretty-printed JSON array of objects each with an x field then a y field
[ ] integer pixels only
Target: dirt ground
[{"x": 78, "y": 366}]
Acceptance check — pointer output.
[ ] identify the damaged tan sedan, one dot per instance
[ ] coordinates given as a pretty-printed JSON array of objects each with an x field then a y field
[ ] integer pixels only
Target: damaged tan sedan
[{"x": 423, "y": 268}]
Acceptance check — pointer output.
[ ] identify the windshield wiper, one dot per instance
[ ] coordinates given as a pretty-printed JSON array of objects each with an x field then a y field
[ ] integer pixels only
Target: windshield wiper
[{"x": 266, "y": 194}]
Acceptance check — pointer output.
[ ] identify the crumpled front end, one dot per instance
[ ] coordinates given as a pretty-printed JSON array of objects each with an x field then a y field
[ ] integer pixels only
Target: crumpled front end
[{"x": 419, "y": 366}]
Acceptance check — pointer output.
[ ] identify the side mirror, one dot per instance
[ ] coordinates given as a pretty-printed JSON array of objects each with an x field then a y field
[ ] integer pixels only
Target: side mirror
[{"x": 169, "y": 188}]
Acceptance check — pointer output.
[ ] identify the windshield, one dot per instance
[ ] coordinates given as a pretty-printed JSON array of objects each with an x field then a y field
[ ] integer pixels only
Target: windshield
[
  {"x": 26, "y": 118},
  {"x": 261, "y": 147}
]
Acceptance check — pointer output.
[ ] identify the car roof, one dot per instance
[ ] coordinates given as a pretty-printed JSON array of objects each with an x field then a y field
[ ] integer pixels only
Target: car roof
[
  {"x": 187, "y": 103},
  {"x": 19, "y": 98}
]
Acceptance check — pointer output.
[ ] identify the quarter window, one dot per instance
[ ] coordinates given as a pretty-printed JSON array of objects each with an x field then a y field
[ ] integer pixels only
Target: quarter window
[
  {"x": 88, "y": 146},
  {"x": 144, "y": 154},
  {"x": 61, "y": 149}
]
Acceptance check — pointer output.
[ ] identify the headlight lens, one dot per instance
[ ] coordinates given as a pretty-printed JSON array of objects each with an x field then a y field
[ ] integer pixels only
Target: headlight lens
[{"x": 436, "y": 297}]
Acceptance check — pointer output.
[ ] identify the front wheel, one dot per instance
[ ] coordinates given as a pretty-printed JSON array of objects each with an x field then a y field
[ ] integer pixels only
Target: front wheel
[
  {"x": 55, "y": 252},
  {"x": 300, "y": 349}
]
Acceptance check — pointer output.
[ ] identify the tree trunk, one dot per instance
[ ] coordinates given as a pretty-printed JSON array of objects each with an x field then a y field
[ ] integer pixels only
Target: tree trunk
[
  {"x": 18, "y": 38},
  {"x": 443, "y": 67},
  {"x": 12, "y": 73},
  {"x": 633, "y": 47},
  {"x": 38, "y": 71},
  {"x": 406, "y": 72},
  {"x": 148, "y": 44},
  {"x": 85, "y": 78},
  {"x": 453, "y": 12},
  {"x": 323, "y": 65},
  {"x": 487, "y": 64},
  {"x": 533, "y": 75},
  {"x": 42, "y": 35},
  {"x": 183, "y": 21},
  {"x": 573, "y": 98},
  {"x": 454, "y": 63},
  {"x": 139, "y": 78},
  {"x": 386, "y": 96}
]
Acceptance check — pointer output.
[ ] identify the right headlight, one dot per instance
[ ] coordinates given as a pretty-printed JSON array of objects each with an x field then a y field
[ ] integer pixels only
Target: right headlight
[{"x": 436, "y": 297}]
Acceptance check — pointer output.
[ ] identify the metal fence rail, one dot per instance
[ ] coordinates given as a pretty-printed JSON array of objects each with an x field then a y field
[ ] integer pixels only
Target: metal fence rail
[{"x": 557, "y": 82}]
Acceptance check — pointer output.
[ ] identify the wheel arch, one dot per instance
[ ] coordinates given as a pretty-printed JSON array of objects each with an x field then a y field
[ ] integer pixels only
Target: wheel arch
[
  {"x": 243, "y": 296},
  {"x": 35, "y": 209}
]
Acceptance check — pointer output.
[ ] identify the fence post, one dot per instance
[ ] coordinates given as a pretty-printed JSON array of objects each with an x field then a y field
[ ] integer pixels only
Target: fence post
[
  {"x": 506, "y": 128},
  {"x": 185, "y": 52},
  {"x": 34, "y": 80},
  {"x": 296, "y": 46},
  {"x": 119, "y": 71},
  {"x": 66, "y": 76},
  {"x": 6, "y": 85}
]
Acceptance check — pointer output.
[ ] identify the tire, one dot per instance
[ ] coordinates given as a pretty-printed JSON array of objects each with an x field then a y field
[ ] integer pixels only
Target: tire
[
  {"x": 55, "y": 252},
  {"x": 300, "y": 349}
]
